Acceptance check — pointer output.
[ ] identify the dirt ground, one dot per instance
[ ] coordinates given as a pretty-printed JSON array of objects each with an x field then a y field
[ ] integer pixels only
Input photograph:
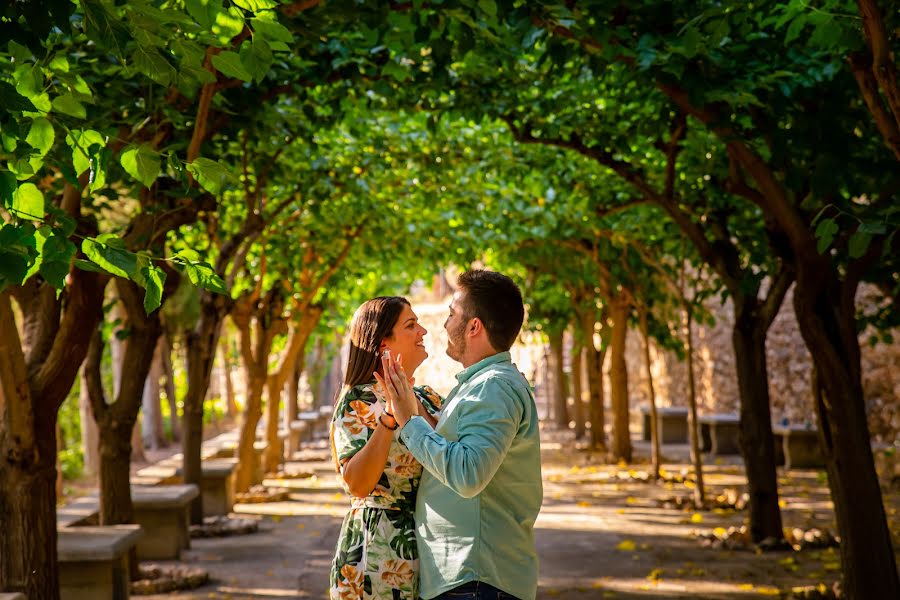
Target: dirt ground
[{"x": 598, "y": 536}]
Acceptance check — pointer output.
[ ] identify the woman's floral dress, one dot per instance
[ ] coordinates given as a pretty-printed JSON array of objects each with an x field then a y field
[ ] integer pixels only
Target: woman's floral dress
[{"x": 376, "y": 556}]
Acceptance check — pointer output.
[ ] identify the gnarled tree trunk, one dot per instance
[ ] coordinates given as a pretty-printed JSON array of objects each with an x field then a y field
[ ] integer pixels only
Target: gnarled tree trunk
[
  {"x": 825, "y": 311},
  {"x": 756, "y": 441},
  {"x": 618, "y": 375},
  {"x": 693, "y": 429},
  {"x": 578, "y": 389},
  {"x": 557, "y": 383}
]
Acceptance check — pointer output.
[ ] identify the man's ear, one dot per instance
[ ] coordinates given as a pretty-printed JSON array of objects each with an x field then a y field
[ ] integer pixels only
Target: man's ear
[{"x": 475, "y": 325}]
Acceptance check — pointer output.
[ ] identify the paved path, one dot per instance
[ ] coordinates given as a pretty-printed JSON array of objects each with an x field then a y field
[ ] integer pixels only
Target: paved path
[{"x": 597, "y": 537}]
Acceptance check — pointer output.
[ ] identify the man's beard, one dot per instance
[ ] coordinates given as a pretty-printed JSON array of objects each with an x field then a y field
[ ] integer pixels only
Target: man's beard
[{"x": 457, "y": 342}]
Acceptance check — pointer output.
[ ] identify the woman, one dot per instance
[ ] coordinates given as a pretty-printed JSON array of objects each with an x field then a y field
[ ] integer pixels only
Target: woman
[{"x": 376, "y": 556}]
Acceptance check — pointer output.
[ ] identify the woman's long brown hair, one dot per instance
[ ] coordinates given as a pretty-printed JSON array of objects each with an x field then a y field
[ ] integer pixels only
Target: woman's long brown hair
[{"x": 372, "y": 323}]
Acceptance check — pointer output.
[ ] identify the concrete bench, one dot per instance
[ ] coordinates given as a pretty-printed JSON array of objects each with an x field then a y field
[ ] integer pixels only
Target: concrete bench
[
  {"x": 673, "y": 428},
  {"x": 298, "y": 432},
  {"x": 799, "y": 447},
  {"x": 721, "y": 433},
  {"x": 163, "y": 513},
  {"x": 82, "y": 511},
  {"x": 93, "y": 561},
  {"x": 216, "y": 482},
  {"x": 12, "y": 596}
]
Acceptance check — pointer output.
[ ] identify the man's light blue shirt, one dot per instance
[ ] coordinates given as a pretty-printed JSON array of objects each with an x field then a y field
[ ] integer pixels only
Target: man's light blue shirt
[{"x": 481, "y": 489}]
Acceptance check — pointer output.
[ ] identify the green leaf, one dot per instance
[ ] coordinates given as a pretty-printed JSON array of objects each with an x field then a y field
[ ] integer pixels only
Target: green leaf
[
  {"x": 60, "y": 64},
  {"x": 19, "y": 52},
  {"x": 8, "y": 185},
  {"x": 85, "y": 265},
  {"x": 104, "y": 27},
  {"x": 228, "y": 24},
  {"x": 271, "y": 31},
  {"x": 28, "y": 202},
  {"x": 67, "y": 104},
  {"x": 142, "y": 163},
  {"x": 154, "y": 280},
  {"x": 149, "y": 61},
  {"x": 229, "y": 64},
  {"x": 40, "y": 136},
  {"x": 488, "y": 6},
  {"x": 211, "y": 175},
  {"x": 255, "y": 5},
  {"x": 12, "y": 100},
  {"x": 108, "y": 253},
  {"x": 396, "y": 71},
  {"x": 204, "y": 276},
  {"x": 859, "y": 243},
  {"x": 826, "y": 231},
  {"x": 81, "y": 140},
  {"x": 204, "y": 11},
  {"x": 256, "y": 56}
]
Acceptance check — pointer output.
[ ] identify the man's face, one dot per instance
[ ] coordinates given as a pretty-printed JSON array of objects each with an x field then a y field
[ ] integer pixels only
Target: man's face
[{"x": 456, "y": 327}]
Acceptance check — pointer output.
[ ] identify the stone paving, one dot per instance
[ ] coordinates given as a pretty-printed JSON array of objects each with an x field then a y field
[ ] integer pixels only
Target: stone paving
[{"x": 598, "y": 536}]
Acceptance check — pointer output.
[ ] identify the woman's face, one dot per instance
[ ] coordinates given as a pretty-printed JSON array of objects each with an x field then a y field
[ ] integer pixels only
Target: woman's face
[{"x": 406, "y": 340}]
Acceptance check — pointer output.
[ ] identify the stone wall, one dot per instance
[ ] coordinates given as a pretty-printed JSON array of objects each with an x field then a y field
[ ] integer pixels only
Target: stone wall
[{"x": 789, "y": 365}]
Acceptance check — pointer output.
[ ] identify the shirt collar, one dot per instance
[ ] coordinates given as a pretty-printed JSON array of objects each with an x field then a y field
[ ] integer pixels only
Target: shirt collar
[{"x": 467, "y": 374}]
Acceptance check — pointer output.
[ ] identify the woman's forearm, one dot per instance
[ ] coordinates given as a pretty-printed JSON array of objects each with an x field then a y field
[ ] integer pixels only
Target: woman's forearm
[{"x": 364, "y": 468}]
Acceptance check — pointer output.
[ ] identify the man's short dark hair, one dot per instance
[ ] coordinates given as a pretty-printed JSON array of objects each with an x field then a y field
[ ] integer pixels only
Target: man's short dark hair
[{"x": 497, "y": 301}]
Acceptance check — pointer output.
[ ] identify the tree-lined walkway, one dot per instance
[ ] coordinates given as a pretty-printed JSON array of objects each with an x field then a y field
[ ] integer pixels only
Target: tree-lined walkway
[{"x": 601, "y": 534}]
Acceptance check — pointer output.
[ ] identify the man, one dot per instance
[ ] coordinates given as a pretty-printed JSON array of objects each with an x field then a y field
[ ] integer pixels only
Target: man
[{"x": 481, "y": 489}]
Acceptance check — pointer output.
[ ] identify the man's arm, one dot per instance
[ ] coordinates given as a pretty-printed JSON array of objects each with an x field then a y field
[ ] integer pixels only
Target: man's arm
[{"x": 487, "y": 421}]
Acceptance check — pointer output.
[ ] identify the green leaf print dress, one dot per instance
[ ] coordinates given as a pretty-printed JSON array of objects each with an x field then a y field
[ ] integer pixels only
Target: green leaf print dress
[{"x": 376, "y": 556}]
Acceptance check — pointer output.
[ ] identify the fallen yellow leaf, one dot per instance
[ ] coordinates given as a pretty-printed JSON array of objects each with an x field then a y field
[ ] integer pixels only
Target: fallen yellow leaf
[
  {"x": 696, "y": 518},
  {"x": 626, "y": 546}
]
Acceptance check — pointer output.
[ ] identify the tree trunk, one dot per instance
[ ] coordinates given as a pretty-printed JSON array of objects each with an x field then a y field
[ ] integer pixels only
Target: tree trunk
[
  {"x": 169, "y": 372},
  {"x": 757, "y": 441},
  {"x": 152, "y": 422},
  {"x": 655, "y": 454},
  {"x": 201, "y": 348},
  {"x": 557, "y": 385},
  {"x": 292, "y": 400},
  {"x": 245, "y": 472},
  {"x": 28, "y": 518},
  {"x": 60, "y": 446},
  {"x": 32, "y": 388},
  {"x": 227, "y": 383},
  {"x": 826, "y": 315},
  {"x": 594, "y": 364},
  {"x": 90, "y": 434},
  {"x": 274, "y": 446},
  {"x": 693, "y": 428},
  {"x": 618, "y": 375},
  {"x": 578, "y": 354}
]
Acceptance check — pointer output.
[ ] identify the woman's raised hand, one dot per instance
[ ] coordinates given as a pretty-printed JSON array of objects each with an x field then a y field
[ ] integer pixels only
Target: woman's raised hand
[{"x": 397, "y": 387}]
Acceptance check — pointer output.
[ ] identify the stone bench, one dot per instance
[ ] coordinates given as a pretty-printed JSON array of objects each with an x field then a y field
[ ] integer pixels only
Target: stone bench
[
  {"x": 799, "y": 447},
  {"x": 93, "y": 561},
  {"x": 82, "y": 511},
  {"x": 673, "y": 427},
  {"x": 163, "y": 513},
  {"x": 12, "y": 596},
  {"x": 216, "y": 481},
  {"x": 721, "y": 433},
  {"x": 298, "y": 432}
]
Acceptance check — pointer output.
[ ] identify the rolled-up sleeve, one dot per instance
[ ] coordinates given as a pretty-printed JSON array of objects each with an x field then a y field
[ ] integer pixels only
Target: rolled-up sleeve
[{"x": 488, "y": 418}]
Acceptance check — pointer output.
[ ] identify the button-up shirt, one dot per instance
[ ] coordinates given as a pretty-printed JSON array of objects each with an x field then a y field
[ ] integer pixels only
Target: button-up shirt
[{"x": 481, "y": 490}]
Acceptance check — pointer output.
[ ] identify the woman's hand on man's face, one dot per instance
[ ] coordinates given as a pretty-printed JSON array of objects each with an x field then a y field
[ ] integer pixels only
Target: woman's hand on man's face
[{"x": 397, "y": 388}]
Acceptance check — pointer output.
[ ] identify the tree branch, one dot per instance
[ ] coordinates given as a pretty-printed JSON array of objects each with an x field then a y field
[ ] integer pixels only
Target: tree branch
[
  {"x": 779, "y": 287},
  {"x": 861, "y": 66},
  {"x": 882, "y": 62}
]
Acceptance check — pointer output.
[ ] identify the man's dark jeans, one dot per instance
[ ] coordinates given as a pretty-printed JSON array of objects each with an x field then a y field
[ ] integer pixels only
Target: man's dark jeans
[{"x": 475, "y": 590}]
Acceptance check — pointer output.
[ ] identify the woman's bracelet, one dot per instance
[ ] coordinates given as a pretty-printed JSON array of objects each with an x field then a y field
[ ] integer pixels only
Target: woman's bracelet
[{"x": 381, "y": 420}]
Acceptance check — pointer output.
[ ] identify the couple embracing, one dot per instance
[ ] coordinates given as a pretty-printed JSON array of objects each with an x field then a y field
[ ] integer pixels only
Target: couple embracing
[{"x": 444, "y": 492}]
